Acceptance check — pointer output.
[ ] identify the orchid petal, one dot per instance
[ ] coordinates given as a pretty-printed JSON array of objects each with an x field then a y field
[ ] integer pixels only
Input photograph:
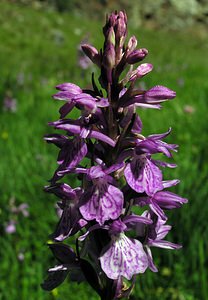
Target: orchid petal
[{"x": 125, "y": 257}]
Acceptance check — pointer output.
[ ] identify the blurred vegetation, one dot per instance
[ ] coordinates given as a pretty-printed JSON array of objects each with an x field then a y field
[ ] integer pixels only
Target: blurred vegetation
[
  {"x": 169, "y": 13},
  {"x": 38, "y": 51}
]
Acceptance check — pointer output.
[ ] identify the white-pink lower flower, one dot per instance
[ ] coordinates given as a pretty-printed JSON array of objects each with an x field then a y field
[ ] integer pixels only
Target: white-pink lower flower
[{"x": 125, "y": 257}]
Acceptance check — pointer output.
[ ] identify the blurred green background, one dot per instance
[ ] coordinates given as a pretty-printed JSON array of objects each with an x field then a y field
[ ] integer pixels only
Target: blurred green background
[{"x": 38, "y": 50}]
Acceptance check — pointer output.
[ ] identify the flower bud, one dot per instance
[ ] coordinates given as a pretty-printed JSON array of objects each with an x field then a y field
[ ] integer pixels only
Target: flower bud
[
  {"x": 92, "y": 53},
  {"x": 159, "y": 94},
  {"x": 121, "y": 28},
  {"x": 111, "y": 37},
  {"x": 109, "y": 57},
  {"x": 110, "y": 22},
  {"x": 132, "y": 43},
  {"x": 141, "y": 71},
  {"x": 136, "y": 56}
]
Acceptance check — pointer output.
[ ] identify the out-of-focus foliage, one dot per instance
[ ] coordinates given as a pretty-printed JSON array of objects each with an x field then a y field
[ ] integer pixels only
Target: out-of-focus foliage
[{"x": 174, "y": 14}]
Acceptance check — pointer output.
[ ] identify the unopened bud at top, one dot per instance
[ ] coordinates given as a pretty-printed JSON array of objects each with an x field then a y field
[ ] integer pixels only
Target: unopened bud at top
[
  {"x": 116, "y": 22},
  {"x": 121, "y": 28}
]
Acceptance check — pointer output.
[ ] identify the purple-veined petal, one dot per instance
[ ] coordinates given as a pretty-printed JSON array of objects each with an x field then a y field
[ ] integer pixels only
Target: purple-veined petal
[
  {"x": 143, "y": 176},
  {"x": 103, "y": 202},
  {"x": 151, "y": 98},
  {"x": 146, "y": 146},
  {"x": 125, "y": 257}
]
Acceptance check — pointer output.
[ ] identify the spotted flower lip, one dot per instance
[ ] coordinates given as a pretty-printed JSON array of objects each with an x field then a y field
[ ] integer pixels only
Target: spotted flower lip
[
  {"x": 143, "y": 176},
  {"x": 102, "y": 201},
  {"x": 125, "y": 257}
]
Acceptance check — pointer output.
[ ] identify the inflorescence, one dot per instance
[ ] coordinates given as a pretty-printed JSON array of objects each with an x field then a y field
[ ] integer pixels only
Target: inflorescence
[{"x": 117, "y": 171}]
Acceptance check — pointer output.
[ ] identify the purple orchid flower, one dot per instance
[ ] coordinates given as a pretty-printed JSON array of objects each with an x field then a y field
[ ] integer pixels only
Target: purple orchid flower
[
  {"x": 102, "y": 200},
  {"x": 124, "y": 256},
  {"x": 155, "y": 237},
  {"x": 161, "y": 200},
  {"x": 143, "y": 175},
  {"x": 83, "y": 129},
  {"x": 71, "y": 220}
]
